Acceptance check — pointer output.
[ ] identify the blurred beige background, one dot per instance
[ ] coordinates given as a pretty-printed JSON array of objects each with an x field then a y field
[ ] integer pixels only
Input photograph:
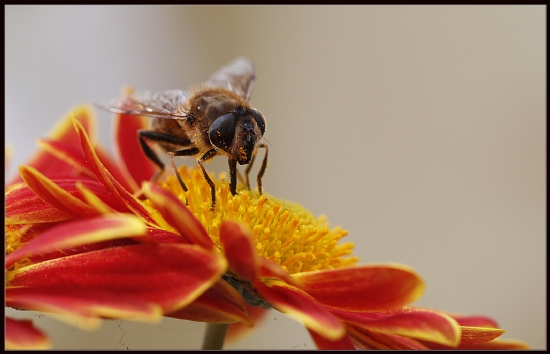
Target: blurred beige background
[{"x": 420, "y": 129}]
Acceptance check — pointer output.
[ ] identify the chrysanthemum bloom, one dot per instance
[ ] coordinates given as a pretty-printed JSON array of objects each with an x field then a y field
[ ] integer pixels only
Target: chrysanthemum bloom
[{"x": 83, "y": 239}]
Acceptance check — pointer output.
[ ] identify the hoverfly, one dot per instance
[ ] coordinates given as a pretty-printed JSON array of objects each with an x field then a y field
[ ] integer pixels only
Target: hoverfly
[{"x": 213, "y": 119}]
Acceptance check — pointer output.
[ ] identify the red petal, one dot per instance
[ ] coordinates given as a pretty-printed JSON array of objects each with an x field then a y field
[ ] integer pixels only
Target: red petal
[
  {"x": 79, "y": 232},
  {"x": 407, "y": 321},
  {"x": 475, "y": 335},
  {"x": 36, "y": 258},
  {"x": 325, "y": 344},
  {"x": 364, "y": 287},
  {"x": 364, "y": 339},
  {"x": 122, "y": 177},
  {"x": 89, "y": 302},
  {"x": 177, "y": 215},
  {"x": 483, "y": 342},
  {"x": 54, "y": 195},
  {"x": 95, "y": 201},
  {"x": 300, "y": 305},
  {"x": 371, "y": 340},
  {"x": 236, "y": 241},
  {"x": 219, "y": 304},
  {"x": 498, "y": 344},
  {"x": 166, "y": 274},
  {"x": 108, "y": 180},
  {"x": 72, "y": 155},
  {"x": 128, "y": 148},
  {"x": 269, "y": 269},
  {"x": 155, "y": 235},
  {"x": 23, "y": 206},
  {"x": 21, "y": 334},
  {"x": 69, "y": 154}
]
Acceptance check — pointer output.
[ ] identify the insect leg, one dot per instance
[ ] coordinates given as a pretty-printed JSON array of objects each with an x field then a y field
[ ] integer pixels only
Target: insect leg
[
  {"x": 144, "y": 135},
  {"x": 184, "y": 152},
  {"x": 207, "y": 156},
  {"x": 247, "y": 171},
  {"x": 233, "y": 175},
  {"x": 262, "y": 169}
]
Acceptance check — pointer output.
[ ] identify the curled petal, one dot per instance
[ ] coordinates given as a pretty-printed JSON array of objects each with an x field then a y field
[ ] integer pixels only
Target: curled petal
[
  {"x": 177, "y": 215},
  {"x": 54, "y": 195},
  {"x": 107, "y": 179},
  {"x": 407, "y": 321},
  {"x": 236, "y": 241},
  {"x": 170, "y": 275},
  {"x": 364, "y": 287},
  {"x": 299, "y": 305},
  {"x": 21, "y": 334},
  {"x": 80, "y": 232}
]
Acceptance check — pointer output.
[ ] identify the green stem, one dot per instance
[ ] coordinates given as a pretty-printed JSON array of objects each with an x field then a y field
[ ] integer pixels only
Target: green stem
[{"x": 215, "y": 336}]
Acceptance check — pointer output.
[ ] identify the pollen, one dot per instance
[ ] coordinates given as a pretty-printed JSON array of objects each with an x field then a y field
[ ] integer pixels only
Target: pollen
[
  {"x": 283, "y": 232},
  {"x": 16, "y": 237}
]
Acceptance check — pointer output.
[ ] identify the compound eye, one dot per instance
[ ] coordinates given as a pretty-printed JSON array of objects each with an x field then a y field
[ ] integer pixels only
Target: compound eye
[
  {"x": 260, "y": 120},
  {"x": 222, "y": 131}
]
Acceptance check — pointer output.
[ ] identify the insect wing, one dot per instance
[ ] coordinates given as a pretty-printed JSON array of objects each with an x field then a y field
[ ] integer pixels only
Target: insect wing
[
  {"x": 237, "y": 76},
  {"x": 164, "y": 104}
]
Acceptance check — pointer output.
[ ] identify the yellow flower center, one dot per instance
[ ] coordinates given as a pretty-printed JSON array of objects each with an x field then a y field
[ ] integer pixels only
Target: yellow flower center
[{"x": 283, "y": 232}]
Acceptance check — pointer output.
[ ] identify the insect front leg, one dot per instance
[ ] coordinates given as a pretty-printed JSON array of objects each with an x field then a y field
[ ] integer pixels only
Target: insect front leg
[
  {"x": 262, "y": 169},
  {"x": 247, "y": 171},
  {"x": 207, "y": 156},
  {"x": 233, "y": 175}
]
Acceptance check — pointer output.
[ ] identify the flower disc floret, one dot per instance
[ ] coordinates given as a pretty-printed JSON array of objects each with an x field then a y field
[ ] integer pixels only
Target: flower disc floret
[{"x": 283, "y": 232}]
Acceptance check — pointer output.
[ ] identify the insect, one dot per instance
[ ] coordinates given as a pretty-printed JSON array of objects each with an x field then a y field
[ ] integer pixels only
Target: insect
[{"x": 212, "y": 119}]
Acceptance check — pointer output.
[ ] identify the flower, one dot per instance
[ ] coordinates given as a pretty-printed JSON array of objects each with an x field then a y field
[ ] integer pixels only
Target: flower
[{"x": 251, "y": 250}]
